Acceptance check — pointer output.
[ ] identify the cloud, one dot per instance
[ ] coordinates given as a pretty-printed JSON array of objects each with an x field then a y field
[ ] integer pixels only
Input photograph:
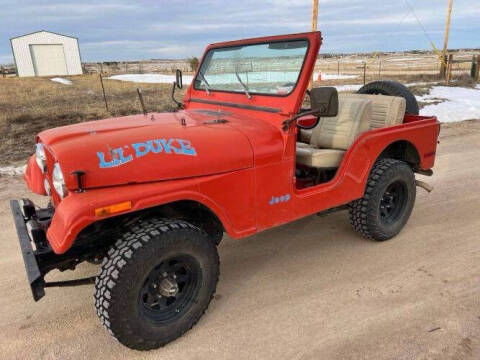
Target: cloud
[{"x": 121, "y": 29}]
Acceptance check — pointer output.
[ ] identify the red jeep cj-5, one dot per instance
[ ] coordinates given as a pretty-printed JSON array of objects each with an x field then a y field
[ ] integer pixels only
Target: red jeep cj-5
[{"x": 150, "y": 196}]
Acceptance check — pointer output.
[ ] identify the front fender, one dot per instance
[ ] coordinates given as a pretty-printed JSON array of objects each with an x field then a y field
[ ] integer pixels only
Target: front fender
[
  {"x": 77, "y": 210},
  {"x": 34, "y": 177}
]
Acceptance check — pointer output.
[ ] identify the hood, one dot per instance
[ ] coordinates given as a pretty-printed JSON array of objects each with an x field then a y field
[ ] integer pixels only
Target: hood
[{"x": 145, "y": 148}]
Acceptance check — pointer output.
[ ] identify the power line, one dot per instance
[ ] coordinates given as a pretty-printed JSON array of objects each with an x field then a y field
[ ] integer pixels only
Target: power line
[
  {"x": 437, "y": 52},
  {"x": 419, "y": 22}
]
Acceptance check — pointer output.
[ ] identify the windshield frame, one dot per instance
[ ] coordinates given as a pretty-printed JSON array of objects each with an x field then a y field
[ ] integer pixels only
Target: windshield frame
[{"x": 247, "y": 44}]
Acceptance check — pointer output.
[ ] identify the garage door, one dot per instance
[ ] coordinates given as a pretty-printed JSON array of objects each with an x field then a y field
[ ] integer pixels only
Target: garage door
[{"x": 48, "y": 59}]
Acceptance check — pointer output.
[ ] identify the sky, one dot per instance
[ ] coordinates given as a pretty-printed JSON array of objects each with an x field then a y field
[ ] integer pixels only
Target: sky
[{"x": 119, "y": 30}]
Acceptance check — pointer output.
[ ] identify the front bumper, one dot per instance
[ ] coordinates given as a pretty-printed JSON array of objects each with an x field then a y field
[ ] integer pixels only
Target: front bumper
[
  {"x": 22, "y": 213},
  {"x": 39, "y": 258}
]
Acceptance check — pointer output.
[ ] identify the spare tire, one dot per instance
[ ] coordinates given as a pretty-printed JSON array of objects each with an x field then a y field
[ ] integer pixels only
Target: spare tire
[{"x": 391, "y": 88}]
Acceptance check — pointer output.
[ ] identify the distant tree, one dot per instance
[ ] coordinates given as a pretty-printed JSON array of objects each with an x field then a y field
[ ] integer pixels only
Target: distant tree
[{"x": 193, "y": 61}]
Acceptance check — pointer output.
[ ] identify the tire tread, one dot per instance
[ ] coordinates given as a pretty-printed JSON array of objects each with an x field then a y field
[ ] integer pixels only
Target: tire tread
[
  {"x": 359, "y": 210},
  {"x": 119, "y": 255}
]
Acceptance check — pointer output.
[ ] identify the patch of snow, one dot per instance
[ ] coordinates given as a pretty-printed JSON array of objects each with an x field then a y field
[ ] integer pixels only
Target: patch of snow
[
  {"x": 13, "y": 170},
  {"x": 458, "y": 103},
  {"x": 404, "y": 59},
  {"x": 333, "y": 76},
  {"x": 344, "y": 88},
  {"x": 274, "y": 76},
  {"x": 419, "y": 98},
  {"x": 61, "y": 80},
  {"x": 420, "y": 83},
  {"x": 151, "y": 78}
]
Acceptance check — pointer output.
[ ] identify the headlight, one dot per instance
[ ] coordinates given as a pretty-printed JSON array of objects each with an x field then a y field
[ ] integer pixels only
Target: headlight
[
  {"x": 40, "y": 157},
  {"x": 58, "y": 181},
  {"x": 46, "y": 185}
]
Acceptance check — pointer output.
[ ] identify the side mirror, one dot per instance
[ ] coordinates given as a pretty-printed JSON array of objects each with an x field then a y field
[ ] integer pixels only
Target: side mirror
[
  {"x": 178, "y": 83},
  {"x": 178, "y": 79},
  {"x": 324, "y": 101}
]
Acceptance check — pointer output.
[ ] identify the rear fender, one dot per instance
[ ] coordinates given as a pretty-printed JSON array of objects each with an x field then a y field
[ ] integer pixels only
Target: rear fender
[{"x": 420, "y": 139}]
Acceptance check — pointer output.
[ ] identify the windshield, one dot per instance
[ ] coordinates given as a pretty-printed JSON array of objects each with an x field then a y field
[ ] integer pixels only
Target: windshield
[{"x": 268, "y": 68}]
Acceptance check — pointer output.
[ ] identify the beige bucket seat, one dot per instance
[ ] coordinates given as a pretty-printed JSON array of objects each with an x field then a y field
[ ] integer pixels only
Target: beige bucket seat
[
  {"x": 325, "y": 145},
  {"x": 333, "y": 135}
]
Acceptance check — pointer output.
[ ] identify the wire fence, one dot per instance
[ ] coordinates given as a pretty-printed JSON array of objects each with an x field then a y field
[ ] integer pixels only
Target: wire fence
[{"x": 400, "y": 65}]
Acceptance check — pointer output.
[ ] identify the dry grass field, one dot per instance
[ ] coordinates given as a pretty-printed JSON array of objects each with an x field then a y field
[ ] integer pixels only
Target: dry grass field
[{"x": 29, "y": 105}]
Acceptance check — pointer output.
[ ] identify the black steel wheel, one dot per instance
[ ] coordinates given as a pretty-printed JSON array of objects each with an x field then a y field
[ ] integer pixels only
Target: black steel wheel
[
  {"x": 170, "y": 289},
  {"x": 156, "y": 282},
  {"x": 393, "y": 202},
  {"x": 388, "y": 201}
]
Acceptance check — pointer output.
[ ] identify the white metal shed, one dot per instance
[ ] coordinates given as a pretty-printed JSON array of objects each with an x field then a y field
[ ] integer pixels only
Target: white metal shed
[{"x": 44, "y": 53}]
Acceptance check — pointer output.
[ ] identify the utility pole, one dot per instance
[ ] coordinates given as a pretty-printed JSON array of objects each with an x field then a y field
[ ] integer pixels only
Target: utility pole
[
  {"x": 447, "y": 34},
  {"x": 314, "y": 15},
  {"x": 314, "y": 28}
]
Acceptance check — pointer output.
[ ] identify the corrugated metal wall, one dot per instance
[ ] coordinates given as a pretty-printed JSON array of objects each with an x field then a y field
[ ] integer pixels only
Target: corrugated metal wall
[{"x": 23, "y": 55}]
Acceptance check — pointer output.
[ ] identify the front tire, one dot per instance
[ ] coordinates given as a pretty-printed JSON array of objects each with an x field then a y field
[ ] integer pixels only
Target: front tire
[
  {"x": 387, "y": 203},
  {"x": 156, "y": 282}
]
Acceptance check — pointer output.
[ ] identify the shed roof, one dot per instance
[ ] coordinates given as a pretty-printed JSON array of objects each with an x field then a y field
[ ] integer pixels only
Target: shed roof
[{"x": 36, "y": 32}]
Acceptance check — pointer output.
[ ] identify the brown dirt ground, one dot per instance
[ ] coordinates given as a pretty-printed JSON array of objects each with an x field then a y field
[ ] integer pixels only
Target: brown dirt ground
[{"x": 312, "y": 289}]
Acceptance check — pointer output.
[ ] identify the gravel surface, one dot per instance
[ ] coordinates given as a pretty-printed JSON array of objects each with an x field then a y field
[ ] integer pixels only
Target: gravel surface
[{"x": 312, "y": 289}]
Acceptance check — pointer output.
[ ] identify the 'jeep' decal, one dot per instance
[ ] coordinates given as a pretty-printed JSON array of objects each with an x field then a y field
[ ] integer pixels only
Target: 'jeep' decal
[{"x": 136, "y": 150}]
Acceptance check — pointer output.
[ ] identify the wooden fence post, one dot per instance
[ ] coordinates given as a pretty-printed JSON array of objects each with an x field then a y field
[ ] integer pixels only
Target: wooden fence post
[
  {"x": 449, "y": 69},
  {"x": 443, "y": 67},
  {"x": 364, "y": 73},
  {"x": 477, "y": 69},
  {"x": 104, "y": 96},
  {"x": 474, "y": 67}
]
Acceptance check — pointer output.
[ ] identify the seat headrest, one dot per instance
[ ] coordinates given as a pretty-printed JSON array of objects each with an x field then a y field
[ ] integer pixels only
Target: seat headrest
[{"x": 386, "y": 110}]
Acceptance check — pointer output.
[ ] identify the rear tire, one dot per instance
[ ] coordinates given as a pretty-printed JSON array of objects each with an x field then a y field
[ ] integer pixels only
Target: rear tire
[
  {"x": 392, "y": 88},
  {"x": 156, "y": 282},
  {"x": 388, "y": 201}
]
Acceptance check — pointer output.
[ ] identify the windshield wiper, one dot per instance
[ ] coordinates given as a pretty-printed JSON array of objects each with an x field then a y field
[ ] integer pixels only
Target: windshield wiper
[
  {"x": 244, "y": 86},
  {"x": 207, "y": 85}
]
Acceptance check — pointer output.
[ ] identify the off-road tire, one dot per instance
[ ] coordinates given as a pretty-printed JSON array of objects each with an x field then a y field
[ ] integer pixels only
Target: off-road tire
[
  {"x": 365, "y": 213},
  {"x": 392, "y": 88},
  {"x": 130, "y": 262}
]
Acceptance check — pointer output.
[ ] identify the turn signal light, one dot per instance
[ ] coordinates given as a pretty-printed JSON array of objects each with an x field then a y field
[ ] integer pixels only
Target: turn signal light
[{"x": 114, "y": 208}]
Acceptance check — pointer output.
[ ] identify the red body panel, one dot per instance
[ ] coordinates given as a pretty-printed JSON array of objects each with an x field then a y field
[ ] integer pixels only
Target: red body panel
[
  {"x": 145, "y": 154},
  {"x": 243, "y": 170}
]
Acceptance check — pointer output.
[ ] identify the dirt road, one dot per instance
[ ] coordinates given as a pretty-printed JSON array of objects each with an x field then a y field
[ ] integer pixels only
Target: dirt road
[{"x": 308, "y": 290}]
